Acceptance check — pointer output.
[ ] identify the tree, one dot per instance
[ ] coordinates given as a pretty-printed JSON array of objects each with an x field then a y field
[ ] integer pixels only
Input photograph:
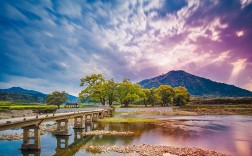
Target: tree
[
  {"x": 144, "y": 95},
  {"x": 127, "y": 92},
  {"x": 95, "y": 88},
  {"x": 181, "y": 97},
  {"x": 151, "y": 96},
  {"x": 56, "y": 98},
  {"x": 110, "y": 89},
  {"x": 166, "y": 93}
]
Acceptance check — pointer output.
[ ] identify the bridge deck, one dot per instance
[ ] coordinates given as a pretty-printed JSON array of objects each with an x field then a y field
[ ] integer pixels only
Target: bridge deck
[{"x": 31, "y": 120}]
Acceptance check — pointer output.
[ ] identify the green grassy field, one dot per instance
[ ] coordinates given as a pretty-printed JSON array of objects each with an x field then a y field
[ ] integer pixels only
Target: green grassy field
[{"x": 20, "y": 105}]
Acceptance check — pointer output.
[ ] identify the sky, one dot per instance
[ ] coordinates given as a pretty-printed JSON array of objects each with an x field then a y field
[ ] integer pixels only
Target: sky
[{"x": 50, "y": 45}]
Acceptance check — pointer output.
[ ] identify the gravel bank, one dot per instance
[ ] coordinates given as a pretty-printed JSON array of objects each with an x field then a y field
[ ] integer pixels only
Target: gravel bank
[
  {"x": 152, "y": 150},
  {"x": 16, "y": 113},
  {"x": 107, "y": 133}
]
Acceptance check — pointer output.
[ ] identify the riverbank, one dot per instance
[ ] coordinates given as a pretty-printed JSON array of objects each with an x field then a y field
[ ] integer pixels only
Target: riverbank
[
  {"x": 217, "y": 109},
  {"x": 190, "y": 110},
  {"x": 170, "y": 111},
  {"x": 151, "y": 150},
  {"x": 6, "y": 114}
]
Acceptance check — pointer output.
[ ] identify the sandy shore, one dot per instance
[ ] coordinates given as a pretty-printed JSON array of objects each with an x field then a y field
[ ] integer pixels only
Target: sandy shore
[{"x": 152, "y": 150}]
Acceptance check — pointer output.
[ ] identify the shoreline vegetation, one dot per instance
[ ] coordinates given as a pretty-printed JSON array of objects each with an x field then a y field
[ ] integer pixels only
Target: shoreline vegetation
[{"x": 12, "y": 110}]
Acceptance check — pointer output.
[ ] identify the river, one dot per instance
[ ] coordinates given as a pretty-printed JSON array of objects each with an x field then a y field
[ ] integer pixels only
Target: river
[{"x": 226, "y": 134}]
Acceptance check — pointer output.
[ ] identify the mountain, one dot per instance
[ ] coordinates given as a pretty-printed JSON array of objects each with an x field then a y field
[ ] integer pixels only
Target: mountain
[
  {"x": 23, "y": 91},
  {"x": 71, "y": 98},
  {"x": 20, "y": 97},
  {"x": 25, "y": 95},
  {"x": 196, "y": 86}
]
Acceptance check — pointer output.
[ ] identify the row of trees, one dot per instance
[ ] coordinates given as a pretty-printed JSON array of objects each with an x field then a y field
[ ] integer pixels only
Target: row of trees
[
  {"x": 99, "y": 89},
  {"x": 102, "y": 90}
]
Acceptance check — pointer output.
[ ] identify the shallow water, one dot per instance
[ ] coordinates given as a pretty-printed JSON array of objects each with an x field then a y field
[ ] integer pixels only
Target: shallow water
[{"x": 227, "y": 134}]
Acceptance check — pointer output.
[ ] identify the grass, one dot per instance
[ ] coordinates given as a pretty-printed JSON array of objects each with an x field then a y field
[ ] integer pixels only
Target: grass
[
  {"x": 28, "y": 107},
  {"x": 176, "y": 112},
  {"x": 19, "y": 105},
  {"x": 127, "y": 120},
  {"x": 10, "y": 103}
]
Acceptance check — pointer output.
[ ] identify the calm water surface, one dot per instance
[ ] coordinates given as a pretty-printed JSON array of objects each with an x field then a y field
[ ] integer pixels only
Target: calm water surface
[{"x": 227, "y": 134}]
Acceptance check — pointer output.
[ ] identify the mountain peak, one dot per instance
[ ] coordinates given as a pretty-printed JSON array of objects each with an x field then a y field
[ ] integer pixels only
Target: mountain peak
[
  {"x": 196, "y": 85},
  {"x": 178, "y": 72},
  {"x": 16, "y": 88}
]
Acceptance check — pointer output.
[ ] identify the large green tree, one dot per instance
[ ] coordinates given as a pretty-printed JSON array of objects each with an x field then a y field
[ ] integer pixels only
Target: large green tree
[
  {"x": 127, "y": 92},
  {"x": 56, "y": 98},
  {"x": 110, "y": 89},
  {"x": 166, "y": 93},
  {"x": 144, "y": 95},
  {"x": 151, "y": 96},
  {"x": 95, "y": 88},
  {"x": 181, "y": 97}
]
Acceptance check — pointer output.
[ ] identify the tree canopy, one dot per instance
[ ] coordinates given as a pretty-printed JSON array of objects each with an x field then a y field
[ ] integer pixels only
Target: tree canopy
[
  {"x": 166, "y": 94},
  {"x": 128, "y": 92},
  {"x": 181, "y": 96},
  {"x": 56, "y": 98},
  {"x": 95, "y": 88}
]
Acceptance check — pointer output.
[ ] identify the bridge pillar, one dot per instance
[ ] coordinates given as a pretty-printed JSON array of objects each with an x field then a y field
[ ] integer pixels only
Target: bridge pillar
[
  {"x": 106, "y": 114},
  {"x": 101, "y": 114},
  {"x": 88, "y": 119},
  {"x": 62, "y": 127},
  {"x": 89, "y": 127},
  {"x": 77, "y": 134},
  {"x": 78, "y": 122},
  {"x": 95, "y": 117},
  {"x": 62, "y": 142},
  {"x": 111, "y": 111},
  {"x": 28, "y": 136}
]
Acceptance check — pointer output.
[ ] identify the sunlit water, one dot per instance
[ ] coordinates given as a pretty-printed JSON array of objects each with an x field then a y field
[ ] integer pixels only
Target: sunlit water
[{"x": 227, "y": 134}]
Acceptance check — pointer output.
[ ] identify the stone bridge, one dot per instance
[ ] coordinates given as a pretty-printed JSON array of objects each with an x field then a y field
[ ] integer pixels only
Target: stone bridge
[{"x": 33, "y": 124}]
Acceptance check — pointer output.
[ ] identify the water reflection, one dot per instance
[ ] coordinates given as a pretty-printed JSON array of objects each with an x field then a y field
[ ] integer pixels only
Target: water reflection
[
  {"x": 31, "y": 152},
  {"x": 77, "y": 134},
  {"x": 62, "y": 142}
]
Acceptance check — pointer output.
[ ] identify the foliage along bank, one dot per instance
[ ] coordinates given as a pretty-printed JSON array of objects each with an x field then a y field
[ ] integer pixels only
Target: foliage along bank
[{"x": 125, "y": 92}]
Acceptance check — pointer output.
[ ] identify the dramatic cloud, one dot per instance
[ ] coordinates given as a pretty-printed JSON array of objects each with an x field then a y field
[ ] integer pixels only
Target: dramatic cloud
[{"x": 50, "y": 45}]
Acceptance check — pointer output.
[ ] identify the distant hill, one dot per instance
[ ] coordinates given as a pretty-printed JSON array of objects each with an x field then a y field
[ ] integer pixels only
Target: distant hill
[
  {"x": 71, "y": 98},
  {"x": 23, "y": 91},
  {"x": 20, "y": 97},
  {"x": 196, "y": 86},
  {"x": 25, "y": 95}
]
